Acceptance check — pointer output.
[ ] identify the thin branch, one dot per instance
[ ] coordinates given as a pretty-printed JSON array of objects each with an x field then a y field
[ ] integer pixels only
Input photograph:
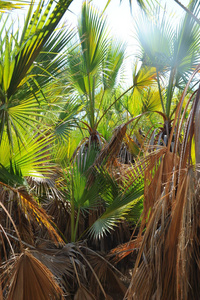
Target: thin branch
[
  {"x": 95, "y": 275},
  {"x": 113, "y": 104},
  {"x": 160, "y": 92}
]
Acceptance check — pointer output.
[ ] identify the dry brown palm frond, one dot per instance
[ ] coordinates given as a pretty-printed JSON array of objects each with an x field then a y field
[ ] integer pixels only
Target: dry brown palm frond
[
  {"x": 111, "y": 281},
  {"x": 168, "y": 247},
  {"x": 26, "y": 212},
  {"x": 59, "y": 260},
  {"x": 27, "y": 278},
  {"x": 133, "y": 147},
  {"x": 79, "y": 270},
  {"x": 35, "y": 213},
  {"x": 64, "y": 263},
  {"x": 166, "y": 266},
  {"x": 137, "y": 170},
  {"x": 111, "y": 150},
  {"x": 123, "y": 250},
  {"x": 49, "y": 186},
  {"x": 60, "y": 212},
  {"x": 7, "y": 222},
  {"x": 197, "y": 135},
  {"x": 95, "y": 140},
  {"x": 103, "y": 278},
  {"x": 83, "y": 294}
]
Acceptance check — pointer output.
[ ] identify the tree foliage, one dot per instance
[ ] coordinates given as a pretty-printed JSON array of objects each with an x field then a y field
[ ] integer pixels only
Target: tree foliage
[{"x": 88, "y": 166}]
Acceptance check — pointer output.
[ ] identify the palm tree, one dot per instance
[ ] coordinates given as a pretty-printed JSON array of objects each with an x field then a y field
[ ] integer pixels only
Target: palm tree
[{"x": 93, "y": 69}]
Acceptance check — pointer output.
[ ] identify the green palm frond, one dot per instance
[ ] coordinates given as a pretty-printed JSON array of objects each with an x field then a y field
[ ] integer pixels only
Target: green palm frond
[
  {"x": 155, "y": 37},
  {"x": 76, "y": 71},
  {"x": 186, "y": 45},
  {"x": 85, "y": 61},
  {"x": 12, "y": 175},
  {"x": 79, "y": 193},
  {"x": 66, "y": 120},
  {"x": 143, "y": 77},
  {"x": 94, "y": 65},
  {"x": 32, "y": 157},
  {"x": 18, "y": 59},
  {"x": 143, "y": 4},
  {"x": 185, "y": 56},
  {"x": 117, "y": 207},
  {"x": 173, "y": 52},
  {"x": 112, "y": 63},
  {"x": 13, "y": 4},
  {"x": 92, "y": 30},
  {"x": 92, "y": 33},
  {"x": 49, "y": 64},
  {"x": 83, "y": 196},
  {"x": 188, "y": 11},
  {"x": 39, "y": 27},
  {"x": 150, "y": 101}
]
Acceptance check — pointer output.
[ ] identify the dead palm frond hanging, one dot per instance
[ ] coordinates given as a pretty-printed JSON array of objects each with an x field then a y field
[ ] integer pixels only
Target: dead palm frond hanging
[{"x": 167, "y": 263}]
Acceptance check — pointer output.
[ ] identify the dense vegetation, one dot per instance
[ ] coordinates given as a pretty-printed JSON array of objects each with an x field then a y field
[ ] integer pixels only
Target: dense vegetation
[{"x": 99, "y": 186}]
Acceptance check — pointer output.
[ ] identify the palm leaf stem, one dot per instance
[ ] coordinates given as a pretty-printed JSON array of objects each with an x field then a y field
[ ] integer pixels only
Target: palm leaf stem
[
  {"x": 6, "y": 235},
  {"x": 170, "y": 89},
  {"x": 107, "y": 261},
  {"x": 100, "y": 104},
  {"x": 9, "y": 216},
  {"x": 75, "y": 269},
  {"x": 186, "y": 107},
  {"x": 77, "y": 223},
  {"x": 12, "y": 237},
  {"x": 72, "y": 211},
  {"x": 94, "y": 273},
  {"x": 178, "y": 112},
  {"x": 105, "y": 112},
  {"x": 188, "y": 11},
  {"x": 160, "y": 92},
  {"x": 83, "y": 234},
  {"x": 91, "y": 104}
]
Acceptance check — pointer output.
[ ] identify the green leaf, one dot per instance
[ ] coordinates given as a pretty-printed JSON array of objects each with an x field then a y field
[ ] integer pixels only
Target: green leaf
[
  {"x": 6, "y": 65},
  {"x": 118, "y": 206}
]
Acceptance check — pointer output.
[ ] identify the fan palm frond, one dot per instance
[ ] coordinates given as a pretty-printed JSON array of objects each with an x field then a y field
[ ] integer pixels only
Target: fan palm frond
[
  {"x": 120, "y": 198},
  {"x": 31, "y": 157},
  {"x": 18, "y": 59},
  {"x": 27, "y": 278}
]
